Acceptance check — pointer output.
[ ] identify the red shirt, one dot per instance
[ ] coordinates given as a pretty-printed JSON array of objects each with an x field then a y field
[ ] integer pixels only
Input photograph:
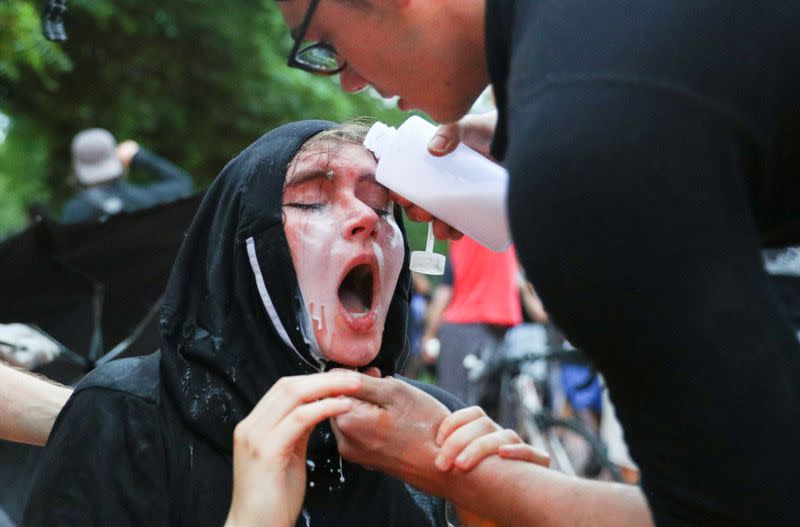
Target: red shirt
[{"x": 485, "y": 287}]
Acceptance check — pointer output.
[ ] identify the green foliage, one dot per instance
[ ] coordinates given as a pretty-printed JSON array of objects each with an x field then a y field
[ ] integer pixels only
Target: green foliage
[
  {"x": 194, "y": 81},
  {"x": 23, "y": 49},
  {"x": 418, "y": 234},
  {"x": 22, "y": 159}
]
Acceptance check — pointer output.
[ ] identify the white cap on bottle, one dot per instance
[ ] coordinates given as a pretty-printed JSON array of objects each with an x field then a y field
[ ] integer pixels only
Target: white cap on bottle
[{"x": 379, "y": 137}]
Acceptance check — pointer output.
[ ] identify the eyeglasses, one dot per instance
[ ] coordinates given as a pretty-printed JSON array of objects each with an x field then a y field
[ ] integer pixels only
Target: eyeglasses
[{"x": 319, "y": 58}]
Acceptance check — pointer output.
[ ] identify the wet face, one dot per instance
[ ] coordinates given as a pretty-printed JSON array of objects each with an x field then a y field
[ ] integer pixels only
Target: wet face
[
  {"x": 346, "y": 247},
  {"x": 403, "y": 49}
]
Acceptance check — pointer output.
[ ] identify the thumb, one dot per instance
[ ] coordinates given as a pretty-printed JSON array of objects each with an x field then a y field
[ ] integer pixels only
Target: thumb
[{"x": 445, "y": 140}]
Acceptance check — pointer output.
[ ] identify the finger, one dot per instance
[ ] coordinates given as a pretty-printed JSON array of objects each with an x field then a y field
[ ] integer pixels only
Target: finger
[
  {"x": 477, "y": 132},
  {"x": 290, "y": 392},
  {"x": 442, "y": 230},
  {"x": 400, "y": 200},
  {"x": 524, "y": 452},
  {"x": 455, "y": 234},
  {"x": 301, "y": 421},
  {"x": 414, "y": 212},
  {"x": 461, "y": 438},
  {"x": 445, "y": 139},
  {"x": 378, "y": 391},
  {"x": 372, "y": 372},
  {"x": 483, "y": 447},
  {"x": 419, "y": 214},
  {"x": 456, "y": 420},
  {"x": 350, "y": 426}
]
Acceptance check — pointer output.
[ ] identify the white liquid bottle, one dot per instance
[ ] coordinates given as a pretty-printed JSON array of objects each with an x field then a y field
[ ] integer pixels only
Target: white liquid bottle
[{"x": 463, "y": 188}]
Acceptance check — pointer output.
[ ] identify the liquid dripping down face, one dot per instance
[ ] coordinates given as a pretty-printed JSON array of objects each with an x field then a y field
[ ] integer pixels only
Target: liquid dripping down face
[{"x": 346, "y": 247}]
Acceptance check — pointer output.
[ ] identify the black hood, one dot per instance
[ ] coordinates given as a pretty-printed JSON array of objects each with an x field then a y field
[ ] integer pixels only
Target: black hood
[{"x": 233, "y": 316}]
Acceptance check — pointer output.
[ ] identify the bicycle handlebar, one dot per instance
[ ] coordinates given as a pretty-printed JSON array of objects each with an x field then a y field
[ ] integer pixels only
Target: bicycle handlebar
[{"x": 477, "y": 368}]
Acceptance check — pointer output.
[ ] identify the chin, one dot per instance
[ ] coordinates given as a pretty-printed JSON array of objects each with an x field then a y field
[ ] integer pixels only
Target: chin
[
  {"x": 353, "y": 353},
  {"x": 449, "y": 112}
]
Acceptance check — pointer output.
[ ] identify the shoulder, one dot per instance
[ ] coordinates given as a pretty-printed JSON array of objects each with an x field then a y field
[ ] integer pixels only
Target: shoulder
[
  {"x": 109, "y": 432},
  {"x": 446, "y": 398},
  {"x": 135, "y": 376},
  {"x": 76, "y": 209}
]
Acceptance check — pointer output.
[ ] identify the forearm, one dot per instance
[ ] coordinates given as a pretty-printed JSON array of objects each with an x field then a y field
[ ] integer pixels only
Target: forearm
[
  {"x": 517, "y": 494},
  {"x": 532, "y": 304},
  {"x": 166, "y": 174},
  {"x": 439, "y": 302},
  {"x": 28, "y": 406}
]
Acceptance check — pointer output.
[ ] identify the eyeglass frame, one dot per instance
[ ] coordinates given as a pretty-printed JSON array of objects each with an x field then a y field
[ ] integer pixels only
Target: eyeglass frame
[{"x": 298, "y": 41}]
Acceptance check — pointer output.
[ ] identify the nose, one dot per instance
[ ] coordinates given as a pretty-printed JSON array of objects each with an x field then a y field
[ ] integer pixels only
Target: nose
[
  {"x": 351, "y": 81},
  {"x": 361, "y": 223}
]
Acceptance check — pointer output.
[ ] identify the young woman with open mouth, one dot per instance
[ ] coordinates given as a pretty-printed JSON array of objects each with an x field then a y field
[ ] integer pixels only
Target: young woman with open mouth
[{"x": 295, "y": 264}]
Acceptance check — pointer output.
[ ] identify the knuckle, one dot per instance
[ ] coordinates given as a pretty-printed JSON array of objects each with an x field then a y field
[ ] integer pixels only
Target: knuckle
[
  {"x": 240, "y": 435},
  {"x": 512, "y": 435},
  {"x": 488, "y": 425}
]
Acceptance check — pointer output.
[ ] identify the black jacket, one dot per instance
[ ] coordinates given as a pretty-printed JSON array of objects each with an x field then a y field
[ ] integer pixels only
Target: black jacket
[{"x": 148, "y": 441}]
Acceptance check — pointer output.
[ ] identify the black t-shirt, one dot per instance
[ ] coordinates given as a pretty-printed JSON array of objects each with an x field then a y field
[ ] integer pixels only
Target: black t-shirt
[{"x": 653, "y": 146}]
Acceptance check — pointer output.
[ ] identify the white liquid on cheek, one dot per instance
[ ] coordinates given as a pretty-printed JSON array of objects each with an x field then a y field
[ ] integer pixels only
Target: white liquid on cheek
[
  {"x": 316, "y": 268},
  {"x": 389, "y": 254},
  {"x": 320, "y": 323},
  {"x": 320, "y": 254}
]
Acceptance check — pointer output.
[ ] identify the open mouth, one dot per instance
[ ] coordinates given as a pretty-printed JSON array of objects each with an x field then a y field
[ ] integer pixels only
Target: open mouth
[{"x": 355, "y": 292}]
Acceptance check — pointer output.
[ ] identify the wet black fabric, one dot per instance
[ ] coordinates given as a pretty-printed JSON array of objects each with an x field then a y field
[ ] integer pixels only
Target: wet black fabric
[
  {"x": 151, "y": 437},
  {"x": 653, "y": 147}
]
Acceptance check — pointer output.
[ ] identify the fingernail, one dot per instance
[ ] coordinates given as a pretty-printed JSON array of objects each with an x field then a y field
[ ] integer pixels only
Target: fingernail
[
  {"x": 441, "y": 464},
  {"x": 438, "y": 143},
  {"x": 462, "y": 459}
]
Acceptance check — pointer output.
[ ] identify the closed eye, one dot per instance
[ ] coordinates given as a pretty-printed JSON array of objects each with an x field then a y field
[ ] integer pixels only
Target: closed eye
[{"x": 304, "y": 206}]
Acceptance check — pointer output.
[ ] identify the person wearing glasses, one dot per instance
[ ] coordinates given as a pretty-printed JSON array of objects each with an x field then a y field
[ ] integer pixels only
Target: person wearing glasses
[{"x": 652, "y": 149}]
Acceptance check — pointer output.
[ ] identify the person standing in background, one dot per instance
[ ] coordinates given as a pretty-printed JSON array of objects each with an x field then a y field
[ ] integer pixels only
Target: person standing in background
[
  {"x": 100, "y": 166},
  {"x": 474, "y": 305}
]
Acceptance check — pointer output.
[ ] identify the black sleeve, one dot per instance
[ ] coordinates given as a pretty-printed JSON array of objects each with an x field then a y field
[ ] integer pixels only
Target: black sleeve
[
  {"x": 171, "y": 181},
  {"x": 447, "y": 277},
  {"x": 104, "y": 465},
  {"x": 631, "y": 213}
]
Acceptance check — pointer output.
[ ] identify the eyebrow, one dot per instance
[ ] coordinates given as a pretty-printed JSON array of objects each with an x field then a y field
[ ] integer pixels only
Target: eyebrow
[
  {"x": 306, "y": 177},
  {"x": 323, "y": 174}
]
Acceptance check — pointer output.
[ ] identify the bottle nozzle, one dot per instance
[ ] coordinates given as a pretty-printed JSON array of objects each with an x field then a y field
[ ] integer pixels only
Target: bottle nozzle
[{"x": 427, "y": 261}]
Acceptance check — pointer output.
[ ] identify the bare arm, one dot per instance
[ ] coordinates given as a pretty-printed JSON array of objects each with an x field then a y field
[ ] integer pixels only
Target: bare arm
[
  {"x": 517, "y": 494},
  {"x": 28, "y": 406},
  {"x": 433, "y": 317},
  {"x": 532, "y": 303},
  {"x": 511, "y": 493}
]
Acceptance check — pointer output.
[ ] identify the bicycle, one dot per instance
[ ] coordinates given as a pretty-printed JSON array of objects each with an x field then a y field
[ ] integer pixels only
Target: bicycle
[{"x": 522, "y": 367}]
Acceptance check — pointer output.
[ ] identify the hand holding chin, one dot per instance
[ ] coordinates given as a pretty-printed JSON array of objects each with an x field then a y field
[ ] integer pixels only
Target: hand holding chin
[{"x": 391, "y": 427}]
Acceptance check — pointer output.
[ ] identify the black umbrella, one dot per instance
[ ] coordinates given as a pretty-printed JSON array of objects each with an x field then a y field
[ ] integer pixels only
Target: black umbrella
[{"x": 94, "y": 287}]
